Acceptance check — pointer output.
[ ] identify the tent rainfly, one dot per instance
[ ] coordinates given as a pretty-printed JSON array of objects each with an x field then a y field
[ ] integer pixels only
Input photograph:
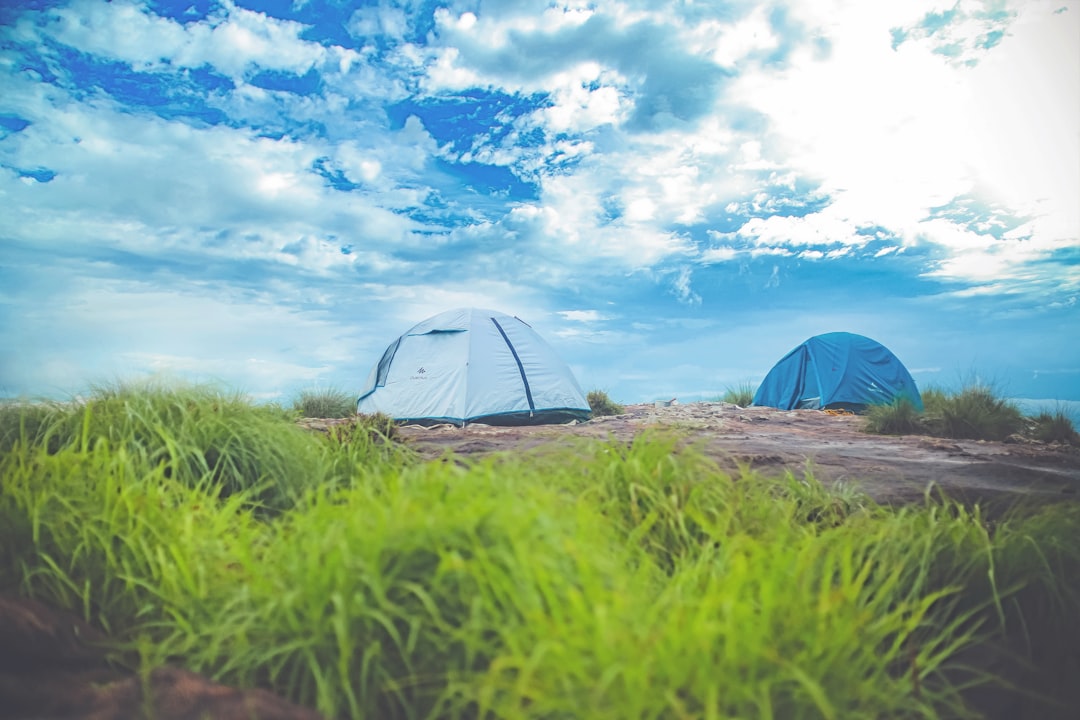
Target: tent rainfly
[
  {"x": 837, "y": 370},
  {"x": 472, "y": 365}
]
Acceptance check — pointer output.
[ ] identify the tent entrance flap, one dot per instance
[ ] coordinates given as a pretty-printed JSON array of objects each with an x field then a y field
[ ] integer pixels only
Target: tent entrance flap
[
  {"x": 521, "y": 368},
  {"x": 384, "y": 363}
]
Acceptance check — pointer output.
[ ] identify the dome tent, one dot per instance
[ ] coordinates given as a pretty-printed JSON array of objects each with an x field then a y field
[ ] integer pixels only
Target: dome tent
[
  {"x": 837, "y": 370},
  {"x": 473, "y": 365}
]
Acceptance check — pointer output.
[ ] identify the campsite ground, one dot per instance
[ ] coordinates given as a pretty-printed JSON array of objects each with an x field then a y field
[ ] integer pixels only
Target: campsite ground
[{"x": 833, "y": 447}]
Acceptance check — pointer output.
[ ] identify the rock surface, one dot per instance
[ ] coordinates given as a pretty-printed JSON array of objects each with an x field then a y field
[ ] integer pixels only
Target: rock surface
[{"x": 831, "y": 446}]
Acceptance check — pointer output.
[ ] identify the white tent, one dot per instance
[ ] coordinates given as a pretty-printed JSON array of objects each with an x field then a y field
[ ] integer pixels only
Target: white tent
[{"x": 472, "y": 365}]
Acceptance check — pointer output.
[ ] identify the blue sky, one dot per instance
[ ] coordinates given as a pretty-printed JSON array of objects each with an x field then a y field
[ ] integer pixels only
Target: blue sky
[{"x": 673, "y": 193}]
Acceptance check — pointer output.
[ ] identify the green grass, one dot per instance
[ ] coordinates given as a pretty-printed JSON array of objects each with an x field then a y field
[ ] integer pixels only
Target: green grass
[
  {"x": 601, "y": 405},
  {"x": 198, "y": 435},
  {"x": 325, "y": 403},
  {"x": 935, "y": 400},
  {"x": 590, "y": 579},
  {"x": 741, "y": 394},
  {"x": 1054, "y": 427},
  {"x": 975, "y": 412},
  {"x": 25, "y": 419},
  {"x": 897, "y": 418}
]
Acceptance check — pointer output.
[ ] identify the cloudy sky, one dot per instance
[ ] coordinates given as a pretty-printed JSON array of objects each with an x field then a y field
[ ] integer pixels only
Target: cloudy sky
[{"x": 674, "y": 193}]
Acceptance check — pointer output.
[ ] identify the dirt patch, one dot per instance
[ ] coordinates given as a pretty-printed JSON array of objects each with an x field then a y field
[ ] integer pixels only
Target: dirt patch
[
  {"x": 834, "y": 448},
  {"x": 53, "y": 665}
]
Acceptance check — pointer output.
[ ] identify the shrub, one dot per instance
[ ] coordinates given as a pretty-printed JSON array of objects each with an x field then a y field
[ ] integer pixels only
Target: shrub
[
  {"x": 974, "y": 413},
  {"x": 934, "y": 400},
  {"x": 1054, "y": 427},
  {"x": 977, "y": 413},
  {"x": 896, "y": 418},
  {"x": 741, "y": 395},
  {"x": 326, "y": 403},
  {"x": 600, "y": 404}
]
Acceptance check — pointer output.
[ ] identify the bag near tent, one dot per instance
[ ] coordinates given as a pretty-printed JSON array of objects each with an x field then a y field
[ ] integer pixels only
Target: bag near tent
[
  {"x": 473, "y": 365},
  {"x": 837, "y": 371}
]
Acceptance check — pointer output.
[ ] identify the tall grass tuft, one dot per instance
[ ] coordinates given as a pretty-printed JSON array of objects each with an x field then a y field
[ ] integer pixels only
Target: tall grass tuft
[
  {"x": 976, "y": 412},
  {"x": 106, "y": 532},
  {"x": 741, "y": 395},
  {"x": 198, "y": 434},
  {"x": 1054, "y": 427},
  {"x": 934, "y": 400},
  {"x": 363, "y": 447},
  {"x": 652, "y": 490},
  {"x": 325, "y": 403},
  {"x": 601, "y": 405},
  {"x": 26, "y": 421},
  {"x": 897, "y": 418},
  {"x": 1036, "y": 564}
]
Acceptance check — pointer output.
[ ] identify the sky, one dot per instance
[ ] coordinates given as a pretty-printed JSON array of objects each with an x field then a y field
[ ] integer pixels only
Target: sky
[{"x": 673, "y": 193}]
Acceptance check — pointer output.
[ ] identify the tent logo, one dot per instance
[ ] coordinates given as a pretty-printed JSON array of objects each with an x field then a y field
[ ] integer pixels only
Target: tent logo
[
  {"x": 421, "y": 371},
  {"x": 419, "y": 374}
]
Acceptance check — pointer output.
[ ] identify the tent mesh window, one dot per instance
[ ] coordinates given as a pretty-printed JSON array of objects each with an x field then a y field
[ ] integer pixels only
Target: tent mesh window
[{"x": 384, "y": 363}]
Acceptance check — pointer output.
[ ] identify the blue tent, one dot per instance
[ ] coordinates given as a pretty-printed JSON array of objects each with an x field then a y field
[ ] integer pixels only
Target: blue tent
[
  {"x": 472, "y": 365},
  {"x": 837, "y": 370}
]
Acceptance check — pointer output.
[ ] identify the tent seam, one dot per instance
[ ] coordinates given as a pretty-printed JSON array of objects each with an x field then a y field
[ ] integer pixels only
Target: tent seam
[{"x": 521, "y": 368}]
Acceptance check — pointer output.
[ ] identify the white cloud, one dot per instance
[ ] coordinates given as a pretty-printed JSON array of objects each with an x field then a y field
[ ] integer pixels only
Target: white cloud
[
  {"x": 519, "y": 50},
  {"x": 404, "y": 305},
  {"x": 122, "y": 31},
  {"x": 583, "y": 316},
  {"x": 584, "y": 97},
  {"x": 719, "y": 254},
  {"x": 154, "y": 186},
  {"x": 959, "y": 31},
  {"x": 773, "y": 251},
  {"x": 1012, "y": 264},
  {"x": 893, "y": 133},
  {"x": 1024, "y": 118},
  {"x": 820, "y": 228},
  {"x": 382, "y": 19},
  {"x": 774, "y": 278},
  {"x": 233, "y": 40},
  {"x": 870, "y": 123},
  {"x": 446, "y": 73},
  {"x": 568, "y": 221},
  {"x": 682, "y": 289},
  {"x": 729, "y": 44}
]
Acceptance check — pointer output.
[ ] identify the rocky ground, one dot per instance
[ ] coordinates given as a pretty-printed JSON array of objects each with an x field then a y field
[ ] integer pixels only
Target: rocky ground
[{"x": 831, "y": 446}]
